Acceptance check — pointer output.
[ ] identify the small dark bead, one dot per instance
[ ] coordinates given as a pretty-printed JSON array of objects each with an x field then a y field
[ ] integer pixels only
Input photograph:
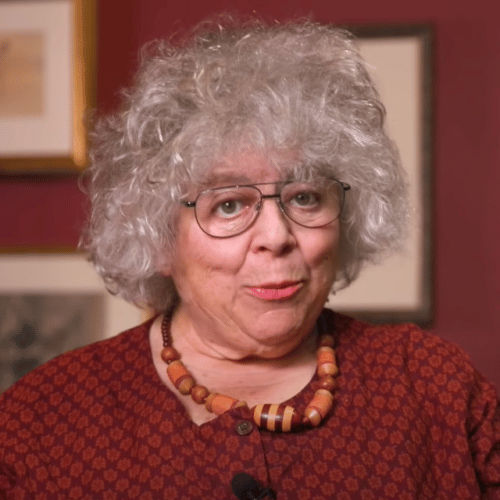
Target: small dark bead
[
  {"x": 199, "y": 394},
  {"x": 328, "y": 383},
  {"x": 169, "y": 354},
  {"x": 327, "y": 341}
]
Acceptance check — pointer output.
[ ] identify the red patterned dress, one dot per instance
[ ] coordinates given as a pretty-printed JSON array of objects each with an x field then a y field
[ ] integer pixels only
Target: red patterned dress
[{"x": 412, "y": 420}]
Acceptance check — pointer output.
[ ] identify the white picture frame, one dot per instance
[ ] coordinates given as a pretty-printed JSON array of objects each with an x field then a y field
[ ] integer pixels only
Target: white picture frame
[
  {"x": 66, "y": 274},
  {"x": 400, "y": 288}
]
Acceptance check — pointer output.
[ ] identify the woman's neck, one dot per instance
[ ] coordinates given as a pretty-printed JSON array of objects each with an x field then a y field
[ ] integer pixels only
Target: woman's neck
[
  {"x": 254, "y": 380},
  {"x": 200, "y": 333}
]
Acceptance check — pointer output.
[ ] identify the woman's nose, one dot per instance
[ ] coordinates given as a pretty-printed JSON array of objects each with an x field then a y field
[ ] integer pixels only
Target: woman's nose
[{"x": 272, "y": 228}]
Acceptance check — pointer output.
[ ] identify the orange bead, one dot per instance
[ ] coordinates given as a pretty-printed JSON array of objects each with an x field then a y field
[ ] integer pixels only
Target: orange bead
[
  {"x": 180, "y": 377},
  {"x": 319, "y": 407},
  {"x": 325, "y": 354},
  {"x": 311, "y": 417},
  {"x": 276, "y": 418},
  {"x": 169, "y": 354},
  {"x": 219, "y": 404},
  {"x": 199, "y": 394},
  {"x": 327, "y": 369},
  {"x": 326, "y": 361}
]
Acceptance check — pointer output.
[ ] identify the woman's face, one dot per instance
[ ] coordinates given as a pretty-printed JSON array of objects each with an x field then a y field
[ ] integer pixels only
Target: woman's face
[{"x": 258, "y": 293}]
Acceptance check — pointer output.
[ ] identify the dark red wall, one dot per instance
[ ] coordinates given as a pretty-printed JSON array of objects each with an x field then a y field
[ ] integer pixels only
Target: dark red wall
[{"x": 467, "y": 133}]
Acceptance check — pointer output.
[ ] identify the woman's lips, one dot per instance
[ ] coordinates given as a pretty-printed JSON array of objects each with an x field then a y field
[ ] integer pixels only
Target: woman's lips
[{"x": 276, "y": 291}]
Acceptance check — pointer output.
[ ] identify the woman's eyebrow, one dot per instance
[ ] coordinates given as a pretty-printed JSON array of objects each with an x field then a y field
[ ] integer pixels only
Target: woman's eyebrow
[{"x": 225, "y": 179}]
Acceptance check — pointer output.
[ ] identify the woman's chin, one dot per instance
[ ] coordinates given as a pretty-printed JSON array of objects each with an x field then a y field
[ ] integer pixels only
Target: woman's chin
[{"x": 275, "y": 338}]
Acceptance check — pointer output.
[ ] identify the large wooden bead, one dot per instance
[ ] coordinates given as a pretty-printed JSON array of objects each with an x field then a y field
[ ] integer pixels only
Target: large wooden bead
[
  {"x": 219, "y": 404},
  {"x": 327, "y": 364},
  {"x": 169, "y": 354},
  {"x": 180, "y": 377},
  {"x": 276, "y": 418},
  {"x": 319, "y": 407}
]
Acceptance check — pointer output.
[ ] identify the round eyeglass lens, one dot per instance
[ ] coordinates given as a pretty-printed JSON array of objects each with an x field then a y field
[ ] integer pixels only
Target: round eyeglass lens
[
  {"x": 313, "y": 204},
  {"x": 227, "y": 211}
]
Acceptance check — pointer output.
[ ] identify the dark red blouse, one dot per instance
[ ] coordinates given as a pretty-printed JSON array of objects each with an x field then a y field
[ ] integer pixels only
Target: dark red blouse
[{"x": 412, "y": 420}]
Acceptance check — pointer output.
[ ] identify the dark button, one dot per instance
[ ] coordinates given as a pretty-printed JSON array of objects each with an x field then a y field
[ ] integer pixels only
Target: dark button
[{"x": 244, "y": 427}]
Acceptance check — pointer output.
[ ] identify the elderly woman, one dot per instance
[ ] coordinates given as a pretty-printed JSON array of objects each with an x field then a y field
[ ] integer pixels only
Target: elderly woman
[{"x": 247, "y": 175}]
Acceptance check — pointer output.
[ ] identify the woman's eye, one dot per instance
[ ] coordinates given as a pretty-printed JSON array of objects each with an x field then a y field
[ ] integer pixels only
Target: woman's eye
[
  {"x": 229, "y": 208},
  {"x": 306, "y": 199}
]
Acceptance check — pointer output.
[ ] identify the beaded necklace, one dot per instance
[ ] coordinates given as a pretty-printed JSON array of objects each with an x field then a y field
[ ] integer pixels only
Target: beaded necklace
[{"x": 272, "y": 417}]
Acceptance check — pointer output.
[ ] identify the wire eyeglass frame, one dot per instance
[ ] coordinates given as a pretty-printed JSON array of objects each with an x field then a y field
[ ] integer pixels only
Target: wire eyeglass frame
[{"x": 342, "y": 187}]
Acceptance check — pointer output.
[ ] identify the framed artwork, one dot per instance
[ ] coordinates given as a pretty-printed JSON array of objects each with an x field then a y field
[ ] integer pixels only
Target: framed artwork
[
  {"x": 50, "y": 304},
  {"x": 47, "y": 81},
  {"x": 35, "y": 327},
  {"x": 400, "y": 288}
]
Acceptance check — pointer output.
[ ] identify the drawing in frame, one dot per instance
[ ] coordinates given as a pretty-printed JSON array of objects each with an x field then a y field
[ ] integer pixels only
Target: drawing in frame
[
  {"x": 399, "y": 289},
  {"x": 47, "y": 84},
  {"x": 51, "y": 303}
]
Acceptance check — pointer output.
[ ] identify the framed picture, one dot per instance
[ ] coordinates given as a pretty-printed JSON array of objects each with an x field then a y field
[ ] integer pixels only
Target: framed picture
[
  {"x": 400, "y": 288},
  {"x": 50, "y": 304},
  {"x": 47, "y": 81}
]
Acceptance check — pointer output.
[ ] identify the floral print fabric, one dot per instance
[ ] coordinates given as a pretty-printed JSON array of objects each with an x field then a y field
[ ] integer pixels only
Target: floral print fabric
[{"x": 412, "y": 420}]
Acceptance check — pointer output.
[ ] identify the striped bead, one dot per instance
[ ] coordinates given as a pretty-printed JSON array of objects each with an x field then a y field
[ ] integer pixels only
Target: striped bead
[
  {"x": 276, "y": 418},
  {"x": 327, "y": 364},
  {"x": 179, "y": 376},
  {"x": 319, "y": 407},
  {"x": 219, "y": 404}
]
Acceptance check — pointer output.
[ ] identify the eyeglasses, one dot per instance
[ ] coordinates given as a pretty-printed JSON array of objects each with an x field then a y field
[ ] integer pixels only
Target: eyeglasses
[{"x": 229, "y": 211}]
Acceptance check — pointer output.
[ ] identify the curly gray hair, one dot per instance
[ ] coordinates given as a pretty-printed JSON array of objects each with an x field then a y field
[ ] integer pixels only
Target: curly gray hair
[{"x": 298, "y": 85}]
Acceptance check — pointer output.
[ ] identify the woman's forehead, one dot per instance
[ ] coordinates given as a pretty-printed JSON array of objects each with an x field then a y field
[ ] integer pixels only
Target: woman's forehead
[{"x": 251, "y": 167}]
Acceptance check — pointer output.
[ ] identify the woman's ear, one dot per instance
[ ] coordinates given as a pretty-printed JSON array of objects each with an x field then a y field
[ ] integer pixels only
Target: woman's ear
[{"x": 165, "y": 264}]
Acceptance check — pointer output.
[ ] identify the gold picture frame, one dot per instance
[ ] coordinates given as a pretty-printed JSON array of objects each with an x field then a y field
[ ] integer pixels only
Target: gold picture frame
[{"x": 48, "y": 52}]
